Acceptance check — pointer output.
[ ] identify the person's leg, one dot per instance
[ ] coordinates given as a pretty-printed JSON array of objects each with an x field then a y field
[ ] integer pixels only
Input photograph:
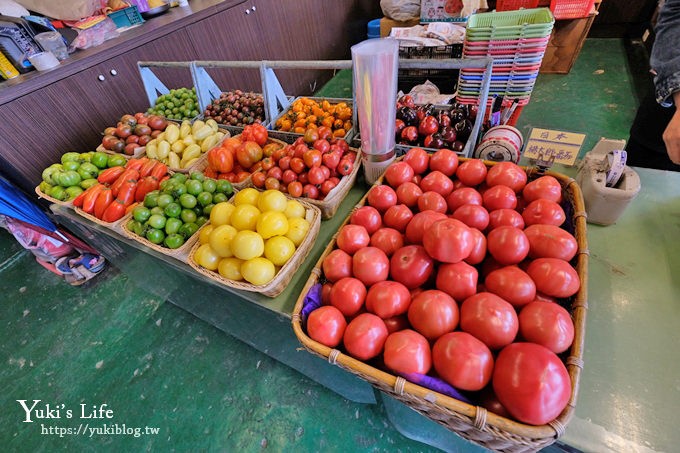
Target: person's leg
[{"x": 645, "y": 146}]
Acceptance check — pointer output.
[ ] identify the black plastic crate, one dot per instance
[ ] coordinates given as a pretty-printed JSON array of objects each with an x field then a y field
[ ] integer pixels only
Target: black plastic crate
[{"x": 445, "y": 79}]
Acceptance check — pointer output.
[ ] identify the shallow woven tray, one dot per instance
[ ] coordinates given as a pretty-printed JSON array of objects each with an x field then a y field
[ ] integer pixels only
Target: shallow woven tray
[
  {"x": 42, "y": 194},
  {"x": 180, "y": 253},
  {"x": 475, "y": 423},
  {"x": 285, "y": 274},
  {"x": 115, "y": 226},
  {"x": 139, "y": 152}
]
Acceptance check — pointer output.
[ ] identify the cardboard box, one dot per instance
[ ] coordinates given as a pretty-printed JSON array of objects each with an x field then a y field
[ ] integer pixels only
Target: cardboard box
[
  {"x": 386, "y": 25},
  {"x": 565, "y": 45},
  {"x": 448, "y": 10}
]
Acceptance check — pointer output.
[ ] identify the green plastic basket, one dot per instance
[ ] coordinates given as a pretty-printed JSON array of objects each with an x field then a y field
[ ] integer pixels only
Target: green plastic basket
[
  {"x": 538, "y": 17},
  {"x": 126, "y": 17}
]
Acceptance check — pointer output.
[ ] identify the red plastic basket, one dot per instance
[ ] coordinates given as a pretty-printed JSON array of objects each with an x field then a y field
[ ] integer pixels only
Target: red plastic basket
[
  {"x": 511, "y": 5},
  {"x": 571, "y": 9}
]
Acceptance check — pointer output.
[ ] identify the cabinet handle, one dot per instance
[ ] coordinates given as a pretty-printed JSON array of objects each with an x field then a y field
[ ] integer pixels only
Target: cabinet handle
[
  {"x": 253, "y": 8},
  {"x": 114, "y": 72},
  {"x": 101, "y": 77},
  {"x": 247, "y": 11}
]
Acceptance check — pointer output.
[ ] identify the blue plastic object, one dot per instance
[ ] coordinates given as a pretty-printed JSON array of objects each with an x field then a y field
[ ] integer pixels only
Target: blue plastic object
[{"x": 374, "y": 29}]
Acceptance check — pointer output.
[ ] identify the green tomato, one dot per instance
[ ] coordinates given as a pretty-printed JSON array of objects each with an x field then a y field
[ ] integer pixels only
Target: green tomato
[
  {"x": 180, "y": 177},
  {"x": 179, "y": 190},
  {"x": 70, "y": 157},
  {"x": 188, "y": 229},
  {"x": 141, "y": 213},
  {"x": 155, "y": 236},
  {"x": 99, "y": 159},
  {"x": 115, "y": 160},
  {"x": 174, "y": 241},
  {"x": 187, "y": 200},
  {"x": 45, "y": 187},
  {"x": 197, "y": 176},
  {"x": 151, "y": 199},
  {"x": 194, "y": 187},
  {"x": 188, "y": 216},
  {"x": 48, "y": 173},
  {"x": 208, "y": 208},
  {"x": 165, "y": 199},
  {"x": 172, "y": 225},
  {"x": 157, "y": 210},
  {"x": 201, "y": 220},
  {"x": 88, "y": 170},
  {"x": 156, "y": 221},
  {"x": 73, "y": 191},
  {"x": 209, "y": 185},
  {"x": 224, "y": 186},
  {"x": 58, "y": 192},
  {"x": 86, "y": 157},
  {"x": 69, "y": 178},
  {"x": 219, "y": 198},
  {"x": 204, "y": 198},
  {"x": 173, "y": 210},
  {"x": 71, "y": 165},
  {"x": 87, "y": 183}
]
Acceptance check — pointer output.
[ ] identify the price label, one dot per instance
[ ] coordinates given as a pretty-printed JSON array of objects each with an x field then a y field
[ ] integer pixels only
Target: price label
[{"x": 547, "y": 144}]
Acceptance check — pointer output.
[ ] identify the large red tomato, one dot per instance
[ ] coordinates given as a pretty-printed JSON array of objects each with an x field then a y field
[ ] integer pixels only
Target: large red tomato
[
  {"x": 445, "y": 161},
  {"x": 326, "y": 325},
  {"x": 420, "y": 223},
  {"x": 550, "y": 241},
  {"x": 248, "y": 153},
  {"x": 448, "y": 241},
  {"x": 547, "y": 187},
  {"x": 499, "y": 197},
  {"x": 464, "y": 195},
  {"x": 368, "y": 217},
  {"x": 388, "y": 240},
  {"x": 370, "y": 265},
  {"x": 337, "y": 265},
  {"x": 531, "y": 382},
  {"x": 544, "y": 212},
  {"x": 458, "y": 280},
  {"x": 437, "y": 181},
  {"x": 508, "y": 245},
  {"x": 398, "y": 217},
  {"x": 398, "y": 173},
  {"x": 381, "y": 197},
  {"x": 507, "y": 174},
  {"x": 463, "y": 361},
  {"x": 490, "y": 319},
  {"x": 547, "y": 324},
  {"x": 554, "y": 277},
  {"x": 348, "y": 295},
  {"x": 408, "y": 194},
  {"x": 388, "y": 299},
  {"x": 411, "y": 265},
  {"x": 418, "y": 159},
  {"x": 512, "y": 284},
  {"x": 472, "y": 215},
  {"x": 478, "y": 252},
  {"x": 407, "y": 351},
  {"x": 501, "y": 217},
  {"x": 352, "y": 237},
  {"x": 365, "y": 336},
  {"x": 433, "y": 313},
  {"x": 432, "y": 201},
  {"x": 472, "y": 172}
]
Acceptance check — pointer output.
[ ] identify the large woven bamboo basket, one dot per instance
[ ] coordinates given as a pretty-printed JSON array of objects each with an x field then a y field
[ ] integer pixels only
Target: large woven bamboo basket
[
  {"x": 181, "y": 253},
  {"x": 476, "y": 423}
]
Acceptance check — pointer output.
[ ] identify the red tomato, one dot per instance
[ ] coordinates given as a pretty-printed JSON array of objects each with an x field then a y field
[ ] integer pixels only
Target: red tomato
[
  {"x": 433, "y": 313},
  {"x": 512, "y": 284},
  {"x": 499, "y": 197},
  {"x": 531, "y": 382},
  {"x": 352, "y": 237},
  {"x": 411, "y": 265},
  {"x": 365, "y": 336},
  {"x": 550, "y": 241},
  {"x": 370, "y": 265},
  {"x": 472, "y": 215},
  {"x": 312, "y": 157},
  {"x": 407, "y": 351},
  {"x": 297, "y": 165},
  {"x": 547, "y": 324},
  {"x": 381, "y": 197},
  {"x": 399, "y": 173},
  {"x": 464, "y": 195},
  {"x": 288, "y": 176},
  {"x": 547, "y": 187},
  {"x": 445, "y": 161},
  {"x": 448, "y": 241},
  {"x": 348, "y": 295},
  {"x": 337, "y": 265},
  {"x": 508, "y": 245},
  {"x": 398, "y": 217},
  {"x": 326, "y": 293},
  {"x": 396, "y": 323},
  {"x": 316, "y": 175},
  {"x": 543, "y": 212},
  {"x": 295, "y": 189},
  {"x": 471, "y": 172},
  {"x": 326, "y": 325},
  {"x": 368, "y": 217},
  {"x": 463, "y": 361},
  {"x": 437, "y": 181},
  {"x": 554, "y": 277},
  {"x": 418, "y": 159},
  {"x": 388, "y": 240},
  {"x": 478, "y": 252},
  {"x": 432, "y": 201},
  {"x": 458, "y": 280},
  {"x": 420, "y": 223},
  {"x": 248, "y": 153},
  {"x": 507, "y": 174},
  {"x": 490, "y": 319},
  {"x": 310, "y": 191},
  {"x": 408, "y": 194},
  {"x": 388, "y": 299},
  {"x": 508, "y": 217}
]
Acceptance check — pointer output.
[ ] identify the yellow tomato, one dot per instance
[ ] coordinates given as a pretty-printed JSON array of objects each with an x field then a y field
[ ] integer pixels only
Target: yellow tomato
[
  {"x": 297, "y": 230},
  {"x": 258, "y": 271},
  {"x": 220, "y": 213},
  {"x": 272, "y": 223},
  {"x": 272, "y": 200},
  {"x": 278, "y": 250},
  {"x": 294, "y": 209},
  {"x": 206, "y": 257},
  {"x": 230, "y": 268},
  {"x": 220, "y": 240},
  {"x": 247, "y": 245},
  {"x": 249, "y": 195},
  {"x": 244, "y": 217},
  {"x": 204, "y": 235}
]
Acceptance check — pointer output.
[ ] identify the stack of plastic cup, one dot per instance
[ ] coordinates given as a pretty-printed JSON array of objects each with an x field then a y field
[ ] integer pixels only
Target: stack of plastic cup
[{"x": 375, "y": 64}]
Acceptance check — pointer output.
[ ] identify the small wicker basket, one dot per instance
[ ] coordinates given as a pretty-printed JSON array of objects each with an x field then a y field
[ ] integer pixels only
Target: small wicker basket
[
  {"x": 475, "y": 423},
  {"x": 42, "y": 194},
  {"x": 181, "y": 253}
]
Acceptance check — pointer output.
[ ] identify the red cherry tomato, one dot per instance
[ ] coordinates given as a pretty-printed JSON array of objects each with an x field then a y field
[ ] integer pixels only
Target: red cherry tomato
[
  {"x": 399, "y": 173},
  {"x": 471, "y": 172},
  {"x": 420, "y": 223},
  {"x": 352, "y": 237},
  {"x": 508, "y": 245},
  {"x": 499, "y": 197},
  {"x": 432, "y": 201},
  {"x": 554, "y": 277},
  {"x": 381, "y": 197},
  {"x": 445, "y": 161},
  {"x": 388, "y": 299},
  {"x": 418, "y": 159},
  {"x": 490, "y": 319},
  {"x": 463, "y": 361},
  {"x": 370, "y": 265},
  {"x": 433, "y": 313},
  {"x": 458, "y": 280},
  {"x": 407, "y": 351},
  {"x": 547, "y": 187},
  {"x": 310, "y": 191},
  {"x": 437, "y": 181},
  {"x": 464, "y": 195},
  {"x": 550, "y": 241},
  {"x": 326, "y": 325},
  {"x": 449, "y": 241},
  {"x": 348, "y": 295},
  {"x": 507, "y": 174},
  {"x": 547, "y": 324},
  {"x": 368, "y": 217},
  {"x": 512, "y": 284},
  {"x": 508, "y": 217},
  {"x": 472, "y": 215},
  {"x": 398, "y": 217},
  {"x": 336, "y": 265},
  {"x": 478, "y": 252},
  {"x": 531, "y": 382},
  {"x": 408, "y": 194},
  {"x": 388, "y": 240},
  {"x": 411, "y": 266},
  {"x": 365, "y": 336},
  {"x": 543, "y": 212}
]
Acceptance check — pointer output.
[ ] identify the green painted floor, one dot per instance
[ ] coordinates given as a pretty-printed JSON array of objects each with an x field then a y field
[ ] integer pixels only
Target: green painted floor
[{"x": 157, "y": 366}]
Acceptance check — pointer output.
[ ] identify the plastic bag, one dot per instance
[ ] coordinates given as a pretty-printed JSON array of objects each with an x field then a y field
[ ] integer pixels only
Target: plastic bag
[
  {"x": 401, "y": 10},
  {"x": 95, "y": 35}
]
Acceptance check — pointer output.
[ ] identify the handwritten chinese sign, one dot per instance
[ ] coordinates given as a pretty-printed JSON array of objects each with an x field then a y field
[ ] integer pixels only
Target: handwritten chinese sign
[{"x": 546, "y": 144}]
